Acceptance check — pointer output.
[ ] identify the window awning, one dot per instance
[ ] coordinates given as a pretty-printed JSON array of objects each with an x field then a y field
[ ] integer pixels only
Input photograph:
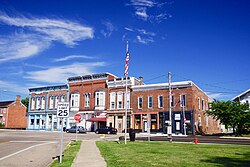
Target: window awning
[{"x": 96, "y": 119}]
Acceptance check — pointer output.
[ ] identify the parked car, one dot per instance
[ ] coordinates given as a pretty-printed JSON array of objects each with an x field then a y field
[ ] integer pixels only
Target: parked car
[
  {"x": 106, "y": 130},
  {"x": 78, "y": 129}
]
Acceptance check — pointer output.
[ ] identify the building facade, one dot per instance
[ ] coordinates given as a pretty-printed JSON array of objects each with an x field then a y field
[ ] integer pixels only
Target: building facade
[
  {"x": 151, "y": 105},
  {"x": 89, "y": 97},
  {"x": 43, "y": 107},
  {"x": 117, "y": 102},
  {"x": 243, "y": 97},
  {"x": 13, "y": 114}
]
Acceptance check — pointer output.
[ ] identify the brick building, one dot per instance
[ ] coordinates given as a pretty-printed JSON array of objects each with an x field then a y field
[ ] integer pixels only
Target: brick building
[
  {"x": 13, "y": 114},
  {"x": 116, "y": 105},
  {"x": 151, "y": 105},
  {"x": 43, "y": 107},
  {"x": 89, "y": 97}
]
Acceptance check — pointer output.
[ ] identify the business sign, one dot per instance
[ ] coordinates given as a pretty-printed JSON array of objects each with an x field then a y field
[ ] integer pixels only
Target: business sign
[{"x": 62, "y": 110}]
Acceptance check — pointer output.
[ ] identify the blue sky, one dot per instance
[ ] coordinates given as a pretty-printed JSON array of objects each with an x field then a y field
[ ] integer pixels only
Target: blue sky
[{"x": 44, "y": 42}]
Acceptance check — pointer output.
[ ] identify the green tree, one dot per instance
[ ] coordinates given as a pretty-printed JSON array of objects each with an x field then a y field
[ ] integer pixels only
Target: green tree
[
  {"x": 232, "y": 114},
  {"x": 25, "y": 101}
]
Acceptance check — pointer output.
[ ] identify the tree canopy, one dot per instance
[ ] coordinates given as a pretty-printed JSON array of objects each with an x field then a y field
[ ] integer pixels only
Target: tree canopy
[
  {"x": 233, "y": 114},
  {"x": 25, "y": 101}
]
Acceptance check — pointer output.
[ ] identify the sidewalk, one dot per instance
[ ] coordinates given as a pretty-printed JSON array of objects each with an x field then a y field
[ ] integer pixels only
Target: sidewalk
[{"x": 89, "y": 156}]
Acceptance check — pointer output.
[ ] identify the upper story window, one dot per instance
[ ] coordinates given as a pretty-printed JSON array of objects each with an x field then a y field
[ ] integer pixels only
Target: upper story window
[
  {"x": 140, "y": 102},
  {"x": 172, "y": 101},
  {"x": 51, "y": 102},
  {"x": 150, "y": 101},
  {"x": 87, "y": 100},
  {"x": 128, "y": 99},
  {"x": 43, "y": 103},
  {"x": 63, "y": 98},
  {"x": 202, "y": 104},
  {"x": 33, "y": 102},
  {"x": 199, "y": 103},
  {"x": 56, "y": 101},
  {"x": 160, "y": 101},
  {"x": 75, "y": 99},
  {"x": 99, "y": 98},
  {"x": 112, "y": 100},
  {"x": 38, "y": 103},
  {"x": 183, "y": 100},
  {"x": 119, "y": 100}
]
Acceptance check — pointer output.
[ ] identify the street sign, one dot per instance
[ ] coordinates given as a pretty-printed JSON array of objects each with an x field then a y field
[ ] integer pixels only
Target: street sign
[
  {"x": 78, "y": 117},
  {"x": 62, "y": 110}
]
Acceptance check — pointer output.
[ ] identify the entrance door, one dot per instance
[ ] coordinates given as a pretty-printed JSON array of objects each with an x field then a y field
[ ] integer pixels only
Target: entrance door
[
  {"x": 177, "y": 122},
  {"x": 119, "y": 125},
  {"x": 145, "y": 125}
]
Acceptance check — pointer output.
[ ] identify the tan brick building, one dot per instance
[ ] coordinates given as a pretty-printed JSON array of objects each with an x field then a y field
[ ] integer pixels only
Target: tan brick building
[{"x": 13, "y": 114}]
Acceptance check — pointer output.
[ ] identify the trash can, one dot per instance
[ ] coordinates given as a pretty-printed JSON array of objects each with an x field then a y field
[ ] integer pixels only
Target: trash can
[{"x": 131, "y": 135}]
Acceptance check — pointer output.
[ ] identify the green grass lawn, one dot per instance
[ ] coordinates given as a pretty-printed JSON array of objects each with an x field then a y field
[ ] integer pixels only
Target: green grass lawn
[
  {"x": 147, "y": 154},
  {"x": 69, "y": 155}
]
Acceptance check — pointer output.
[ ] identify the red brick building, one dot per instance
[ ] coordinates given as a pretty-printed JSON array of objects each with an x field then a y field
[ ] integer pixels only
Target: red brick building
[
  {"x": 100, "y": 99},
  {"x": 188, "y": 103},
  {"x": 89, "y": 97},
  {"x": 13, "y": 114}
]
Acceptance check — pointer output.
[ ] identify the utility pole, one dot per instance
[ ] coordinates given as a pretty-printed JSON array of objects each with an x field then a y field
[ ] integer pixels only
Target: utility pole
[{"x": 170, "y": 108}]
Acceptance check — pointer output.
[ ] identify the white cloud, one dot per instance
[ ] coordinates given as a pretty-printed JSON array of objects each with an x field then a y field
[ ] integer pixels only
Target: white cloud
[
  {"x": 144, "y": 32},
  {"x": 73, "y": 57},
  {"x": 61, "y": 73},
  {"x": 12, "y": 87},
  {"x": 144, "y": 40},
  {"x": 129, "y": 29},
  {"x": 146, "y": 3},
  {"x": 38, "y": 34},
  {"x": 19, "y": 46},
  {"x": 142, "y": 13},
  {"x": 109, "y": 29},
  {"x": 142, "y": 10},
  {"x": 65, "y": 31},
  {"x": 142, "y": 36}
]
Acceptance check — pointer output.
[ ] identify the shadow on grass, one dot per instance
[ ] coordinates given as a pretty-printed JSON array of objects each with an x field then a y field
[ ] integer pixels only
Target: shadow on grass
[{"x": 243, "y": 160}]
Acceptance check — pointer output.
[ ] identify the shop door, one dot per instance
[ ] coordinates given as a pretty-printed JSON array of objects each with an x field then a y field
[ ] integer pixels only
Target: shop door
[{"x": 177, "y": 122}]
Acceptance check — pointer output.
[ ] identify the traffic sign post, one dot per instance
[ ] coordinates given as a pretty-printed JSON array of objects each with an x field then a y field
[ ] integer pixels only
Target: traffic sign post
[
  {"x": 77, "y": 118},
  {"x": 62, "y": 112}
]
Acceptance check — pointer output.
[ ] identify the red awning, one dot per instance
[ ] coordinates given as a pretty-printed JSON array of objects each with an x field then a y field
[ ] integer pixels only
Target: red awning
[{"x": 95, "y": 119}]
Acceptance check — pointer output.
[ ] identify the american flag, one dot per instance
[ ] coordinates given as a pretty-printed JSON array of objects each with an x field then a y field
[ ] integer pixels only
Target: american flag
[{"x": 126, "y": 64}]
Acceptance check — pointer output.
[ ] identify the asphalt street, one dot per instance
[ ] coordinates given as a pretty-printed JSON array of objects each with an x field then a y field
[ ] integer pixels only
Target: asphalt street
[
  {"x": 33, "y": 148},
  {"x": 36, "y": 148}
]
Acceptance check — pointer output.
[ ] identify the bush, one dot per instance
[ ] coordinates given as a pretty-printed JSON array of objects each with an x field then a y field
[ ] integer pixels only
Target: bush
[{"x": 1, "y": 124}]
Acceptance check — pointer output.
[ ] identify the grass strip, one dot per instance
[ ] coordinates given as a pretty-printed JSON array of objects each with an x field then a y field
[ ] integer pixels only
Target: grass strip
[
  {"x": 162, "y": 154},
  {"x": 69, "y": 155}
]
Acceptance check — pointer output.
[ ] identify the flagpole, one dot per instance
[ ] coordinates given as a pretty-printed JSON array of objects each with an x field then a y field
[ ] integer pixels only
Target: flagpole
[{"x": 126, "y": 105}]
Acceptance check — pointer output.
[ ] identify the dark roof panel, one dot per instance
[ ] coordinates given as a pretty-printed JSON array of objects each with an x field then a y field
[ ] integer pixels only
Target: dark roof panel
[{"x": 5, "y": 103}]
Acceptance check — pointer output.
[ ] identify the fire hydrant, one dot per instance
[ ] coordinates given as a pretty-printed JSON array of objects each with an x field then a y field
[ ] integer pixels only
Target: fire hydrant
[{"x": 195, "y": 140}]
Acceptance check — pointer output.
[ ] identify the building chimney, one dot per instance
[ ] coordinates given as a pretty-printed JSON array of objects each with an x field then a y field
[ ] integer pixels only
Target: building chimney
[
  {"x": 18, "y": 97},
  {"x": 140, "y": 80}
]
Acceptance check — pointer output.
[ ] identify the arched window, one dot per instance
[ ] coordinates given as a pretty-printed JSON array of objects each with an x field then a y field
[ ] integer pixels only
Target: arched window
[
  {"x": 112, "y": 100},
  {"x": 75, "y": 99},
  {"x": 43, "y": 103},
  {"x": 100, "y": 98},
  {"x": 51, "y": 102},
  {"x": 56, "y": 101},
  {"x": 33, "y": 102},
  {"x": 87, "y": 100},
  {"x": 38, "y": 103}
]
